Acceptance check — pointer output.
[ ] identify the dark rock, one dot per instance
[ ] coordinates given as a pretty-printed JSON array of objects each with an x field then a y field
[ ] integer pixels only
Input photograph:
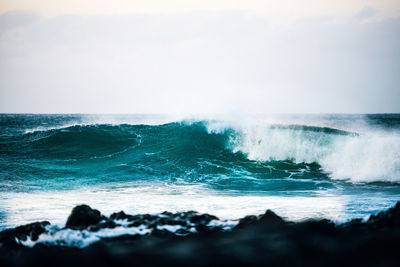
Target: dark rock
[
  {"x": 202, "y": 218},
  {"x": 162, "y": 233},
  {"x": 32, "y": 230},
  {"x": 353, "y": 224},
  {"x": 170, "y": 221},
  {"x": 264, "y": 240},
  {"x": 121, "y": 216},
  {"x": 203, "y": 229},
  {"x": 389, "y": 218},
  {"x": 136, "y": 223},
  {"x": 167, "y": 213},
  {"x": 317, "y": 226},
  {"x": 246, "y": 221},
  {"x": 148, "y": 217},
  {"x": 118, "y": 215},
  {"x": 268, "y": 218},
  {"x": 83, "y": 216},
  {"x": 107, "y": 223}
]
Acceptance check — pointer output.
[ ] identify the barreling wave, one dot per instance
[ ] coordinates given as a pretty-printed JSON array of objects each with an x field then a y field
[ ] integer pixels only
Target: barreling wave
[{"x": 206, "y": 148}]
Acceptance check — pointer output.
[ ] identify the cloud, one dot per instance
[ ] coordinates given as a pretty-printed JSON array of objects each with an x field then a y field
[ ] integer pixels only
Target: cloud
[
  {"x": 12, "y": 19},
  {"x": 200, "y": 62},
  {"x": 365, "y": 13},
  {"x": 283, "y": 9}
]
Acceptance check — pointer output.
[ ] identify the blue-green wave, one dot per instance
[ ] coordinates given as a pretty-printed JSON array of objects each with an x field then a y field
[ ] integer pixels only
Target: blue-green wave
[{"x": 271, "y": 157}]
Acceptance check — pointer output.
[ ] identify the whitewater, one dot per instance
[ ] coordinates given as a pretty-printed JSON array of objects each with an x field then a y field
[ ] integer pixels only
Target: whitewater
[{"x": 335, "y": 166}]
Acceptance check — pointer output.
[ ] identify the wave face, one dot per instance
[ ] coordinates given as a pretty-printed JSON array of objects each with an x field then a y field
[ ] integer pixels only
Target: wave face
[
  {"x": 205, "y": 150},
  {"x": 341, "y": 154},
  {"x": 248, "y": 160}
]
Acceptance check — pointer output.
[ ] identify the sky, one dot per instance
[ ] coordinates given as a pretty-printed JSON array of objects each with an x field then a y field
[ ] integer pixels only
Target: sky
[{"x": 191, "y": 57}]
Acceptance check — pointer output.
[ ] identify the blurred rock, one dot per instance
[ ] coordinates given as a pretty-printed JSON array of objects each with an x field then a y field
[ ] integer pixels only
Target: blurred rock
[{"x": 83, "y": 216}]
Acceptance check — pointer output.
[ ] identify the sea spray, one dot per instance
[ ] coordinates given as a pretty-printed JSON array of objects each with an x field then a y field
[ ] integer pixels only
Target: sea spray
[
  {"x": 301, "y": 166},
  {"x": 364, "y": 157}
]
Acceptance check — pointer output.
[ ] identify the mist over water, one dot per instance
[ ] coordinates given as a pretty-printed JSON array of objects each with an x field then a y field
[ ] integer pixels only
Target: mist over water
[{"x": 301, "y": 166}]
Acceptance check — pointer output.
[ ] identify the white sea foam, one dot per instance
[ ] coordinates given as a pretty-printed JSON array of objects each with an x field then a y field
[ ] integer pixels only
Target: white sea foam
[
  {"x": 56, "y": 236},
  {"x": 358, "y": 157},
  {"x": 77, "y": 238},
  {"x": 50, "y": 128},
  {"x": 139, "y": 198},
  {"x": 109, "y": 119}
]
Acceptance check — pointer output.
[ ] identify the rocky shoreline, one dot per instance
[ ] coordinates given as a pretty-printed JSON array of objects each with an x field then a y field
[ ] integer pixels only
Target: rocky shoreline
[{"x": 190, "y": 238}]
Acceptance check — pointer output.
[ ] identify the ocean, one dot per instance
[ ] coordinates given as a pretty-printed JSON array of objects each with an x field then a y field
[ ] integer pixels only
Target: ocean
[{"x": 334, "y": 166}]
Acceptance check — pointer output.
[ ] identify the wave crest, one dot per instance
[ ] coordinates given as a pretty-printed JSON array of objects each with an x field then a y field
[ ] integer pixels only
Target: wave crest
[
  {"x": 205, "y": 148},
  {"x": 81, "y": 141},
  {"x": 342, "y": 154}
]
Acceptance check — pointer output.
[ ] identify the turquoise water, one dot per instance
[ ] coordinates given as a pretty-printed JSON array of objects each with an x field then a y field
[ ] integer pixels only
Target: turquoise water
[{"x": 301, "y": 166}]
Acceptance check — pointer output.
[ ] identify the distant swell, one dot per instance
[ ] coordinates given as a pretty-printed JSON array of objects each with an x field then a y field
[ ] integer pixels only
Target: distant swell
[
  {"x": 80, "y": 141},
  {"x": 207, "y": 147}
]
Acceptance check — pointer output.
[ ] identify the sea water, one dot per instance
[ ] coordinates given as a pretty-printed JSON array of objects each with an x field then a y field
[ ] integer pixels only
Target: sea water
[{"x": 334, "y": 166}]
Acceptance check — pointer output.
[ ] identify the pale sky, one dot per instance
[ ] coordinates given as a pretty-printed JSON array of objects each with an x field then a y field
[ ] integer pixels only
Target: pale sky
[
  {"x": 204, "y": 56},
  {"x": 281, "y": 8}
]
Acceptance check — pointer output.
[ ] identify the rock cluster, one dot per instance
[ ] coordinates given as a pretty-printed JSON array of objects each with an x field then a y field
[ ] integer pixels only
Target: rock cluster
[
  {"x": 266, "y": 239},
  {"x": 189, "y": 221},
  {"x": 84, "y": 217},
  {"x": 9, "y": 237}
]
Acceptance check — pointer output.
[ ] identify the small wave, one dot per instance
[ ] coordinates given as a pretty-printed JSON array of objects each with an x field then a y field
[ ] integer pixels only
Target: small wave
[
  {"x": 50, "y": 128},
  {"x": 96, "y": 120},
  {"x": 80, "y": 141}
]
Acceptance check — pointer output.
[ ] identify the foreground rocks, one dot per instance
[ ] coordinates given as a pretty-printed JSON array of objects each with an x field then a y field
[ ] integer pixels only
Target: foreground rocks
[
  {"x": 33, "y": 230},
  {"x": 256, "y": 240},
  {"x": 83, "y": 216}
]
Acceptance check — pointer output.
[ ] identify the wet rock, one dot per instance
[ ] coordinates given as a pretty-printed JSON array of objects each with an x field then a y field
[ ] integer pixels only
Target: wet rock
[
  {"x": 170, "y": 221},
  {"x": 389, "y": 218},
  {"x": 107, "y": 223},
  {"x": 185, "y": 219},
  {"x": 121, "y": 216},
  {"x": 202, "y": 218},
  {"x": 83, "y": 216},
  {"x": 162, "y": 233},
  {"x": 268, "y": 218},
  {"x": 317, "y": 226},
  {"x": 202, "y": 229},
  {"x": 135, "y": 223},
  {"x": 167, "y": 213},
  {"x": 264, "y": 240},
  {"x": 246, "y": 221},
  {"x": 33, "y": 230},
  {"x": 354, "y": 224}
]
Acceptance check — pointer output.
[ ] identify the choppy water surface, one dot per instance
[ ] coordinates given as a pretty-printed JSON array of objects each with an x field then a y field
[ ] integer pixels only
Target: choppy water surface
[{"x": 301, "y": 166}]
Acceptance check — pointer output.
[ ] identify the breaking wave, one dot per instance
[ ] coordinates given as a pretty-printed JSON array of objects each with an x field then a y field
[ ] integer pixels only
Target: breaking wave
[
  {"x": 344, "y": 155},
  {"x": 201, "y": 147}
]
